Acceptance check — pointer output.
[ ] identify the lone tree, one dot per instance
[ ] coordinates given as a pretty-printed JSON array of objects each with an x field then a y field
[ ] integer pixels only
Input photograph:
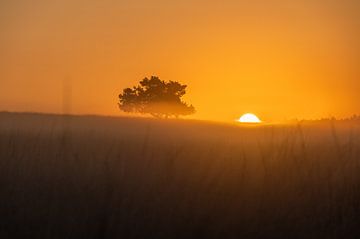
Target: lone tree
[{"x": 156, "y": 97}]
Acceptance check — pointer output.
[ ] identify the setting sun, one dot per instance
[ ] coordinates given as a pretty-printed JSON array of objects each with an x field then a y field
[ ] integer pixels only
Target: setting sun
[{"x": 249, "y": 118}]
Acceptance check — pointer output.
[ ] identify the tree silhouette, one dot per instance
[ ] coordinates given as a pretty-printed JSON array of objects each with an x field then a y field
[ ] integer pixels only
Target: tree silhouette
[{"x": 156, "y": 97}]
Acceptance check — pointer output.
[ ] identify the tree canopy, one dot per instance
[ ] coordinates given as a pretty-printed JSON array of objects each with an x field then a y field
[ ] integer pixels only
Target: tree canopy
[{"x": 156, "y": 97}]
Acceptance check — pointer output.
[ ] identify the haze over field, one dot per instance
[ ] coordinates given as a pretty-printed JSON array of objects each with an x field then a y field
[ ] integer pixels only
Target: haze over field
[
  {"x": 279, "y": 59},
  {"x": 242, "y": 119},
  {"x": 108, "y": 177}
]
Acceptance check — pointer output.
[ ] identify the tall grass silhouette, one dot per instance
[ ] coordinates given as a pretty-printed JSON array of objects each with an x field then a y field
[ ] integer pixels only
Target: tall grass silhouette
[{"x": 142, "y": 178}]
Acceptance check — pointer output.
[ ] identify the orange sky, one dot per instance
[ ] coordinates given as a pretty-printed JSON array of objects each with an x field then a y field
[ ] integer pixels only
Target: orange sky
[{"x": 278, "y": 59}]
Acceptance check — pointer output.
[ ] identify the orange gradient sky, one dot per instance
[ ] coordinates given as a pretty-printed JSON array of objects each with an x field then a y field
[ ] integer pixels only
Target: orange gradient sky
[{"x": 278, "y": 59}]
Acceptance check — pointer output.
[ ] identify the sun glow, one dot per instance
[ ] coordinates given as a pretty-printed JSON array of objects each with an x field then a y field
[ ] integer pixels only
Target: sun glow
[{"x": 249, "y": 118}]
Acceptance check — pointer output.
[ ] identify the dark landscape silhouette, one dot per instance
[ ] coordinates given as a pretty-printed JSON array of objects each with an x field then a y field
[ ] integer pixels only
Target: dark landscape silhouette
[{"x": 110, "y": 177}]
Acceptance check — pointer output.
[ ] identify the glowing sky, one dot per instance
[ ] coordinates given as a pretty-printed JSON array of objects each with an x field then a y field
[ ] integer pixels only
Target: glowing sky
[{"x": 279, "y": 59}]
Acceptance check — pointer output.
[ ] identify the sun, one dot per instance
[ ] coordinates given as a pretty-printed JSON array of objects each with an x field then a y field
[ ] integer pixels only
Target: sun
[{"x": 249, "y": 118}]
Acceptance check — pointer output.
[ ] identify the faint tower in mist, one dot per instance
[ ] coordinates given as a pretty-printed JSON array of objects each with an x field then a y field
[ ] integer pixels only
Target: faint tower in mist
[
  {"x": 67, "y": 96},
  {"x": 65, "y": 124}
]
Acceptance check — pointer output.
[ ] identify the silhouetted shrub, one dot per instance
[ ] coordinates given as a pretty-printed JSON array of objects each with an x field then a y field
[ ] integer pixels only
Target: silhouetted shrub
[{"x": 156, "y": 97}]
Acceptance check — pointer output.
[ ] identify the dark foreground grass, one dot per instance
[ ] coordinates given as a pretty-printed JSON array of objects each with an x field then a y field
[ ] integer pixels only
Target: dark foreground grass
[{"x": 94, "y": 177}]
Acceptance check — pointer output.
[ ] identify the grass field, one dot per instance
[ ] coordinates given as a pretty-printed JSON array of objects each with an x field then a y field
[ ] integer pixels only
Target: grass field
[{"x": 107, "y": 177}]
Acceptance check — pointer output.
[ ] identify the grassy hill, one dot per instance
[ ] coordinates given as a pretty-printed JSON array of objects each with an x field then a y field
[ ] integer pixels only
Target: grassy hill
[{"x": 110, "y": 177}]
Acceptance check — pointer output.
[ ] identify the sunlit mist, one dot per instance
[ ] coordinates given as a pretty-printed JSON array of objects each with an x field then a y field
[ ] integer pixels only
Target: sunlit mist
[{"x": 281, "y": 59}]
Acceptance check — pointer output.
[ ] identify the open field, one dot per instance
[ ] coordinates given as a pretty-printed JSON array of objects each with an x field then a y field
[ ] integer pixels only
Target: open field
[{"x": 102, "y": 177}]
